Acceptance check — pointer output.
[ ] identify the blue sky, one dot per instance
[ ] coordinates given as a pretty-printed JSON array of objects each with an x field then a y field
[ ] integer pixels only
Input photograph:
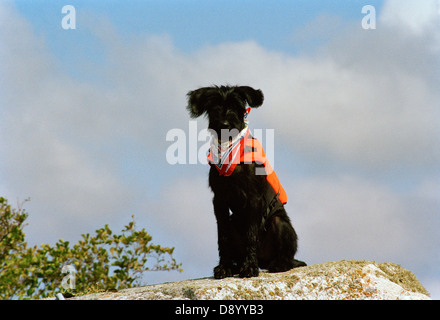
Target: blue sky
[
  {"x": 190, "y": 24},
  {"x": 194, "y": 23},
  {"x": 354, "y": 111}
]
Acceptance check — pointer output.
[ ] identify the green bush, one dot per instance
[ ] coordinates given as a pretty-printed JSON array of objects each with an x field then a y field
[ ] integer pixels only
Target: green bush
[{"x": 105, "y": 261}]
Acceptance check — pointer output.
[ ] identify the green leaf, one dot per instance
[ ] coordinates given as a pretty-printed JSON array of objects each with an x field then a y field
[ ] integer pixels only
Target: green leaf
[{"x": 104, "y": 261}]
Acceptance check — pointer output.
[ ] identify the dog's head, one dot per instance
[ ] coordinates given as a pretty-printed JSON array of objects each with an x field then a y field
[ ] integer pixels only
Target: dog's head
[{"x": 224, "y": 106}]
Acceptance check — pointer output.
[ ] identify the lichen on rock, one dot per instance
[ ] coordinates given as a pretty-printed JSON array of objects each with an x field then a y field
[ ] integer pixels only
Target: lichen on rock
[{"x": 340, "y": 280}]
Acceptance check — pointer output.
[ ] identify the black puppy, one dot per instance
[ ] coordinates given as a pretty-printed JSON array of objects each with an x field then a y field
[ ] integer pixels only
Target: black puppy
[{"x": 254, "y": 230}]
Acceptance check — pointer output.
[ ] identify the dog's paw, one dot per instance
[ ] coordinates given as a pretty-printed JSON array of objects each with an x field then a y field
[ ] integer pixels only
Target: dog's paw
[
  {"x": 249, "y": 270},
  {"x": 299, "y": 263},
  {"x": 282, "y": 266},
  {"x": 221, "y": 272},
  {"x": 275, "y": 267}
]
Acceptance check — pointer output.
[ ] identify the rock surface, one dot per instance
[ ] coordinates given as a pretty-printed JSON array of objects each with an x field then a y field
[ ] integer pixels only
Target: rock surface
[{"x": 339, "y": 280}]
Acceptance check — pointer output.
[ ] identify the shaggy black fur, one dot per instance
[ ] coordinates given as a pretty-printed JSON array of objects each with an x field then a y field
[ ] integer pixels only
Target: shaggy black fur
[{"x": 248, "y": 237}]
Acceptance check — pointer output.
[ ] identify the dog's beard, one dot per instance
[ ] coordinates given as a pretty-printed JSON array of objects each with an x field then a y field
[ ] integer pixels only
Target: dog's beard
[
  {"x": 226, "y": 150},
  {"x": 223, "y": 150}
]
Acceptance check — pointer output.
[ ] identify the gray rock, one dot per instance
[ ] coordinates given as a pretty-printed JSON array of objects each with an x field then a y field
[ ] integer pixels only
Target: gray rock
[{"x": 350, "y": 280}]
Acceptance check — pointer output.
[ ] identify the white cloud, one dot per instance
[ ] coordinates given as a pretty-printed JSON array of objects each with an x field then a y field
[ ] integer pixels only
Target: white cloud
[
  {"x": 348, "y": 218},
  {"x": 46, "y": 120},
  {"x": 429, "y": 189},
  {"x": 414, "y": 16},
  {"x": 184, "y": 215},
  {"x": 367, "y": 98},
  {"x": 332, "y": 104}
]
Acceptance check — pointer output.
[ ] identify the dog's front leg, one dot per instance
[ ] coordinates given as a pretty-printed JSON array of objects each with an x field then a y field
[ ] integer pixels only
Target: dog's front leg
[
  {"x": 249, "y": 267},
  {"x": 221, "y": 210}
]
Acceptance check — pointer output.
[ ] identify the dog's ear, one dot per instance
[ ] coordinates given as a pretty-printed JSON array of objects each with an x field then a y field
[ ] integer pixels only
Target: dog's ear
[
  {"x": 253, "y": 97},
  {"x": 198, "y": 101}
]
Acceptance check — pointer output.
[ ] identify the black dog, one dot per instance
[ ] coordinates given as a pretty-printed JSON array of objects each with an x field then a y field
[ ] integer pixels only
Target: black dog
[{"x": 254, "y": 230}]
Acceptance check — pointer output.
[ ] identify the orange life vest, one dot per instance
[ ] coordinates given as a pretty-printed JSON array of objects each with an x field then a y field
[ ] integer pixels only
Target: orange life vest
[{"x": 248, "y": 150}]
